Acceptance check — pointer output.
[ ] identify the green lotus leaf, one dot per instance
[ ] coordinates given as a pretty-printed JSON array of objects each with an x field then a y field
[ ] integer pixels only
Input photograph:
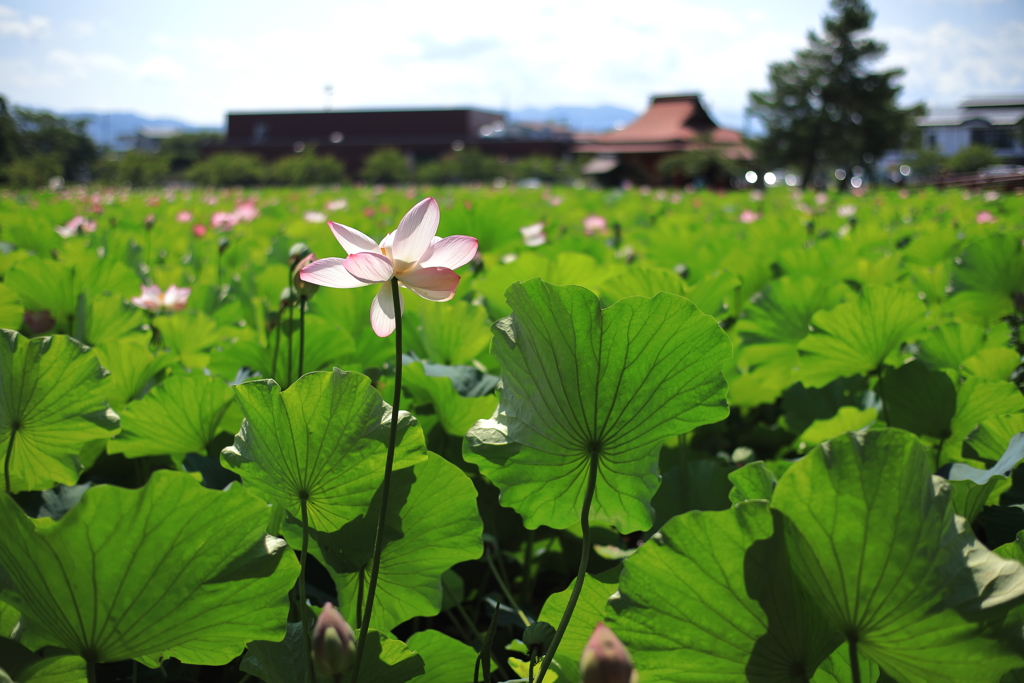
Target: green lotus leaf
[
  {"x": 978, "y": 400},
  {"x": 714, "y": 293},
  {"x": 445, "y": 660},
  {"x": 432, "y": 525},
  {"x": 711, "y": 599},
  {"x": 949, "y": 345},
  {"x": 917, "y": 399},
  {"x": 131, "y": 367},
  {"x": 453, "y": 334},
  {"x": 457, "y": 413},
  {"x": 753, "y": 481},
  {"x": 584, "y": 385},
  {"x": 11, "y": 310},
  {"x": 168, "y": 570},
  {"x": 323, "y": 440},
  {"x": 990, "y": 439},
  {"x": 641, "y": 281},
  {"x": 856, "y": 337},
  {"x": 52, "y": 403},
  {"x": 848, "y": 419},
  {"x": 385, "y": 660},
  {"x": 836, "y": 669},
  {"x": 189, "y": 334},
  {"x": 992, "y": 266},
  {"x": 108, "y": 318},
  {"x": 43, "y": 284},
  {"x": 874, "y": 540},
  {"x": 57, "y": 669},
  {"x": 784, "y": 313},
  {"x": 995, "y": 364},
  {"x": 177, "y": 417},
  {"x": 589, "y": 610}
]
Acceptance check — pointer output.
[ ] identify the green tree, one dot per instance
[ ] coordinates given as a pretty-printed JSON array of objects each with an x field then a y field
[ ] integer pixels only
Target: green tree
[
  {"x": 228, "y": 168},
  {"x": 825, "y": 106},
  {"x": 8, "y": 134},
  {"x": 972, "y": 158},
  {"x": 307, "y": 168},
  {"x": 385, "y": 165},
  {"x": 41, "y": 133}
]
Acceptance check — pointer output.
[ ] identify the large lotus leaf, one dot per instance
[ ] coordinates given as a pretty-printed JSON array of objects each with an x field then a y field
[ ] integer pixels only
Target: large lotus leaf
[
  {"x": 641, "y": 281},
  {"x": 836, "y": 669},
  {"x": 131, "y": 367},
  {"x": 949, "y": 345},
  {"x": 584, "y": 385},
  {"x": 177, "y": 417},
  {"x": 753, "y": 481},
  {"x": 445, "y": 660},
  {"x": 995, "y": 364},
  {"x": 453, "y": 334},
  {"x": 189, "y": 334},
  {"x": 385, "y": 660},
  {"x": 457, "y": 413},
  {"x": 874, "y": 539},
  {"x": 972, "y": 487},
  {"x": 57, "y": 669},
  {"x": 169, "y": 570},
  {"x": 323, "y": 440},
  {"x": 977, "y": 401},
  {"x": 711, "y": 599},
  {"x": 993, "y": 265},
  {"x": 848, "y": 419},
  {"x": 567, "y": 268},
  {"x": 432, "y": 525},
  {"x": 856, "y": 337},
  {"x": 108, "y": 318},
  {"x": 589, "y": 610},
  {"x": 44, "y": 285},
  {"x": 918, "y": 399},
  {"x": 11, "y": 310},
  {"x": 990, "y": 439},
  {"x": 52, "y": 403},
  {"x": 715, "y": 292},
  {"x": 784, "y": 313}
]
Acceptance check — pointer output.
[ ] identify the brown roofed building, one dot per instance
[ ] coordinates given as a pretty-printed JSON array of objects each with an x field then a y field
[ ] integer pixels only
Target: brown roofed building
[{"x": 672, "y": 124}]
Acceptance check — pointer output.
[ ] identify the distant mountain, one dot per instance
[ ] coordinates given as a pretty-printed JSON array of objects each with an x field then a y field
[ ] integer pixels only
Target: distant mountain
[
  {"x": 588, "y": 119},
  {"x": 108, "y": 129}
]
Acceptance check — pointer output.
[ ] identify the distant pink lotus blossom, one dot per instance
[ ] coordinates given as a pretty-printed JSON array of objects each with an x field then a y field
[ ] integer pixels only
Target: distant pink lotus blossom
[
  {"x": 199, "y": 230},
  {"x": 820, "y": 198},
  {"x": 246, "y": 211},
  {"x": 748, "y": 216},
  {"x": 314, "y": 217},
  {"x": 223, "y": 221},
  {"x": 846, "y": 211},
  {"x": 985, "y": 217},
  {"x": 337, "y": 205},
  {"x": 155, "y": 300},
  {"x": 153, "y": 201},
  {"x": 184, "y": 216},
  {"x": 74, "y": 226},
  {"x": 594, "y": 225},
  {"x": 534, "y": 235},
  {"x": 38, "y": 322}
]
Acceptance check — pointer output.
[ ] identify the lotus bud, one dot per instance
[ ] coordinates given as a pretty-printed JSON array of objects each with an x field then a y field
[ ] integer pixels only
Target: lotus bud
[
  {"x": 304, "y": 289},
  {"x": 222, "y": 244},
  {"x": 606, "y": 660},
  {"x": 334, "y": 643},
  {"x": 298, "y": 251},
  {"x": 537, "y": 637}
]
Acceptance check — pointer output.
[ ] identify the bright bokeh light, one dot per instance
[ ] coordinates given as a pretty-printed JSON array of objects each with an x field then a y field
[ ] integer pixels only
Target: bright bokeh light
[
  {"x": 458, "y": 145},
  {"x": 298, "y": 147},
  {"x": 840, "y": 174},
  {"x": 769, "y": 178},
  {"x": 336, "y": 137},
  {"x": 856, "y": 182},
  {"x": 791, "y": 179},
  {"x": 904, "y": 170},
  {"x": 751, "y": 177}
]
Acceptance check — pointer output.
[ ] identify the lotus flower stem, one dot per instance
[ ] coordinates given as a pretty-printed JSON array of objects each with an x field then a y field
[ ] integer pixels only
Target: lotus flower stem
[
  {"x": 302, "y": 584},
  {"x": 302, "y": 332},
  {"x": 505, "y": 588},
  {"x": 277, "y": 343},
  {"x": 588, "y": 498},
  {"x": 378, "y": 544},
  {"x": 7, "y": 460},
  {"x": 291, "y": 331}
]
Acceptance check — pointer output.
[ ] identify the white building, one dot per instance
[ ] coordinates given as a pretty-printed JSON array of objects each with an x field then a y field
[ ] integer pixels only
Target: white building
[{"x": 990, "y": 121}]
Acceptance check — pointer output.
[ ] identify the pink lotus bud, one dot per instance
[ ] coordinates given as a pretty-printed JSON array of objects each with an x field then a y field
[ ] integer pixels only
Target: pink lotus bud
[
  {"x": 334, "y": 643},
  {"x": 303, "y": 288},
  {"x": 606, "y": 660}
]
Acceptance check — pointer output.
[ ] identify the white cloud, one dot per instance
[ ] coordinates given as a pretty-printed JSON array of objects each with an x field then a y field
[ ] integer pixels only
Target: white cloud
[
  {"x": 13, "y": 24},
  {"x": 161, "y": 68}
]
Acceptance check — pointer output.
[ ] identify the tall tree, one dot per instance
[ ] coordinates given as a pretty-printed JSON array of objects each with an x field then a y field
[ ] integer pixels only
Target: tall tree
[{"x": 825, "y": 106}]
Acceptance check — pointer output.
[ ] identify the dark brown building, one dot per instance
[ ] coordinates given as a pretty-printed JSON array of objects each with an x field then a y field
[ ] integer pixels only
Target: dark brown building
[
  {"x": 672, "y": 123},
  {"x": 353, "y": 135}
]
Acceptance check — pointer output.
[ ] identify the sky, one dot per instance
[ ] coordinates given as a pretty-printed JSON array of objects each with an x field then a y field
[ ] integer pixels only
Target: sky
[{"x": 197, "y": 60}]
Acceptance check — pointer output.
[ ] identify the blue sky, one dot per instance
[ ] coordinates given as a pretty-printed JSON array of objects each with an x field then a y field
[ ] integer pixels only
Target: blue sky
[{"x": 196, "y": 61}]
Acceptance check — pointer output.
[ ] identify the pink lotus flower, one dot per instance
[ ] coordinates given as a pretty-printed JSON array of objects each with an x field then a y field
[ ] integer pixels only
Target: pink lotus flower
[
  {"x": 199, "y": 230},
  {"x": 412, "y": 254},
  {"x": 74, "y": 226},
  {"x": 846, "y": 211},
  {"x": 223, "y": 221},
  {"x": 184, "y": 216},
  {"x": 594, "y": 225},
  {"x": 534, "y": 235},
  {"x": 246, "y": 211},
  {"x": 334, "y": 643},
  {"x": 314, "y": 217},
  {"x": 155, "y": 300},
  {"x": 985, "y": 217},
  {"x": 747, "y": 216},
  {"x": 337, "y": 205}
]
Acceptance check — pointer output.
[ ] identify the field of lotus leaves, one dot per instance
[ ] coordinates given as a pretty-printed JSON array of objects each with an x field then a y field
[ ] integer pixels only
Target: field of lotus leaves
[{"x": 759, "y": 436}]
